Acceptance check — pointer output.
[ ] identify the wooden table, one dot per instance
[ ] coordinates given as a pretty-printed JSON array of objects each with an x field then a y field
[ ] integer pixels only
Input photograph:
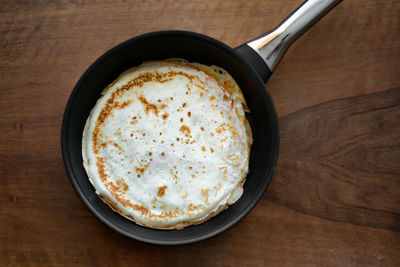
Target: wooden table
[{"x": 335, "y": 197}]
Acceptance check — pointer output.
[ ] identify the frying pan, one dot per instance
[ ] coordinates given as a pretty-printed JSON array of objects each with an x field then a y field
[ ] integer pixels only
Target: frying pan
[{"x": 250, "y": 64}]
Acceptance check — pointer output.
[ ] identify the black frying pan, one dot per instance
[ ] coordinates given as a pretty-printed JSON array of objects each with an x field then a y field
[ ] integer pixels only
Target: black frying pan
[{"x": 250, "y": 64}]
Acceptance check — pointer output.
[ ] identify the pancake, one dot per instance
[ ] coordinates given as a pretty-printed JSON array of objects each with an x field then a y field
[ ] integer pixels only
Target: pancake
[{"x": 167, "y": 144}]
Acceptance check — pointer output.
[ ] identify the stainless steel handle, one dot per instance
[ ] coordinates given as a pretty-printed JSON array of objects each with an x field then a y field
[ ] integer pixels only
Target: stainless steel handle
[{"x": 272, "y": 45}]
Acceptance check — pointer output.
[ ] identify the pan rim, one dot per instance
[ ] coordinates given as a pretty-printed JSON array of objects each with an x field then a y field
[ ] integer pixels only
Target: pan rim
[{"x": 73, "y": 177}]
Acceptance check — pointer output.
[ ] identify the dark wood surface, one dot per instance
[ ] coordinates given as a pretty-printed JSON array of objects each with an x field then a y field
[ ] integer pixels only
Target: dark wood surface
[{"x": 335, "y": 197}]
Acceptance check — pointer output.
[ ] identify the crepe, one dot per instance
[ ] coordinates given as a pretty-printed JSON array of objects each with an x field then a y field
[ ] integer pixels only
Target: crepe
[{"x": 167, "y": 145}]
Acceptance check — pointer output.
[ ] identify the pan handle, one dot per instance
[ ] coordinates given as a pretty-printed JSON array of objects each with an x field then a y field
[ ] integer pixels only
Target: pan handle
[{"x": 272, "y": 45}]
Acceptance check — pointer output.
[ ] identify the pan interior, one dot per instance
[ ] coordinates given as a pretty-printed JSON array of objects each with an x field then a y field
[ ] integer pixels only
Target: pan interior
[{"x": 194, "y": 48}]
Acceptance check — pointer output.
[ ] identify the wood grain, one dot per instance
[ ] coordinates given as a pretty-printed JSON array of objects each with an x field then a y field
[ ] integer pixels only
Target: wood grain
[
  {"x": 347, "y": 156},
  {"x": 335, "y": 197}
]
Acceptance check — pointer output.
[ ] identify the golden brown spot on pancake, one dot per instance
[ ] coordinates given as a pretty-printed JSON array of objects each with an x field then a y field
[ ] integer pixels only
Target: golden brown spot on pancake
[
  {"x": 159, "y": 100},
  {"x": 142, "y": 209},
  {"x": 174, "y": 175},
  {"x": 220, "y": 129},
  {"x": 150, "y": 153},
  {"x": 226, "y": 98},
  {"x": 177, "y": 139},
  {"x": 126, "y": 187},
  {"x": 212, "y": 134},
  {"x": 105, "y": 112},
  {"x": 200, "y": 86},
  {"x": 165, "y": 116},
  {"x": 185, "y": 130},
  {"x": 148, "y": 106},
  {"x": 141, "y": 170},
  {"x": 172, "y": 144},
  {"x": 212, "y": 98},
  {"x": 163, "y": 154},
  {"x": 225, "y": 170},
  {"x": 112, "y": 187},
  {"x": 144, "y": 134},
  {"x": 151, "y": 159},
  {"x": 203, "y": 148},
  {"x": 190, "y": 167},
  {"x": 181, "y": 119},
  {"x": 223, "y": 127},
  {"x": 160, "y": 133},
  {"x": 185, "y": 195},
  {"x": 201, "y": 94},
  {"x": 162, "y": 141},
  {"x": 202, "y": 128},
  {"x": 193, "y": 175},
  {"x": 212, "y": 150},
  {"x": 171, "y": 98},
  {"x": 217, "y": 188},
  {"x": 162, "y": 106},
  {"x": 161, "y": 190},
  {"x": 204, "y": 192},
  {"x": 131, "y": 134},
  {"x": 233, "y": 157},
  {"x": 192, "y": 207},
  {"x": 189, "y": 114},
  {"x": 118, "y": 133},
  {"x": 100, "y": 168},
  {"x": 118, "y": 146},
  {"x": 134, "y": 120},
  {"x": 124, "y": 104},
  {"x": 184, "y": 104}
]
